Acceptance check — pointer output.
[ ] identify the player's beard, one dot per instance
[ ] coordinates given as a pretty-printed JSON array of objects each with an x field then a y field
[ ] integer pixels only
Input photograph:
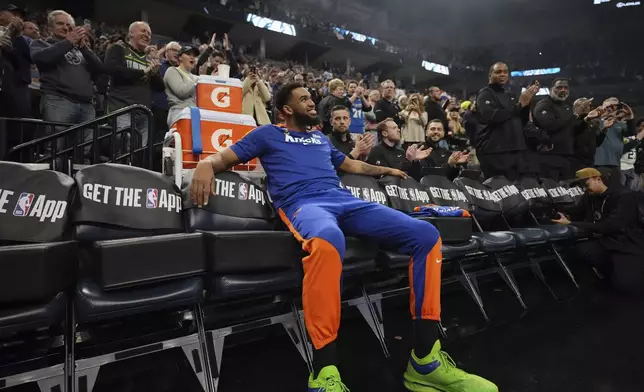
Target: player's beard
[{"x": 305, "y": 120}]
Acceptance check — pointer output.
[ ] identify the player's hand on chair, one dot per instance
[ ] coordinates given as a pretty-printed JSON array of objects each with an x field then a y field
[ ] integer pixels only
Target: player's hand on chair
[
  {"x": 397, "y": 173},
  {"x": 203, "y": 183}
]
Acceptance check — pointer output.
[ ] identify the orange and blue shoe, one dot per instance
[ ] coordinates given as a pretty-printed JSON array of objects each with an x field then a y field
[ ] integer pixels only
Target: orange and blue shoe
[
  {"x": 328, "y": 380},
  {"x": 437, "y": 372}
]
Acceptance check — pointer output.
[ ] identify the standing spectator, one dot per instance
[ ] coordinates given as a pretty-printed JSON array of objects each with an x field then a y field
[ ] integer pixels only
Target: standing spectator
[
  {"x": 30, "y": 29},
  {"x": 67, "y": 68},
  {"x": 590, "y": 136},
  {"x": 561, "y": 123},
  {"x": 15, "y": 99},
  {"x": 313, "y": 90},
  {"x": 618, "y": 123},
  {"x": 211, "y": 58},
  {"x": 456, "y": 131},
  {"x": 336, "y": 98},
  {"x": 370, "y": 117},
  {"x": 501, "y": 141},
  {"x": 359, "y": 106},
  {"x": 299, "y": 78},
  {"x": 133, "y": 77},
  {"x": 387, "y": 107},
  {"x": 169, "y": 55},
  {"x": 416, "y": 121},
  {"x": 180, "y": 84},
  {"x": 256, "y": 96},
  {"x": 630, "y": 178},
  {"x": 433, "y": 106}
]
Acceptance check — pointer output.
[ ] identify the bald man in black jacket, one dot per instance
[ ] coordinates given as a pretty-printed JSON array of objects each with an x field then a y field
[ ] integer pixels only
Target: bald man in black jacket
[{"x": 500, "y": 140}]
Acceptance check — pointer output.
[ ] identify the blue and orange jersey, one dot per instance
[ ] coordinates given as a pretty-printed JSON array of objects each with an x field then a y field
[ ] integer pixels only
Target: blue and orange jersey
[{"x": 297, "y": 164}]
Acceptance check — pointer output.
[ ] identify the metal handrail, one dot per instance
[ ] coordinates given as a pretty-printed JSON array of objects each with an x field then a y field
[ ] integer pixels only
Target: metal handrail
[{"x": 95, "y": 124}]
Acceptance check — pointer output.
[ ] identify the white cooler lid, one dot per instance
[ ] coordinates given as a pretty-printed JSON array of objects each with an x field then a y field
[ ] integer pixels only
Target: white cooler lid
[
  {"x": 209, "y": 115},
  {"x": 209, "y": 79}
]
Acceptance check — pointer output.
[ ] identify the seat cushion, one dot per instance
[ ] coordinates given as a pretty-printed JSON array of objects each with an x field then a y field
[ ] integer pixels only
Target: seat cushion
[
  {"x": 247, "y": 252},
  {"x": 93, "y": 304},
  {"x": 577, "y": 232},
  {"x": 394, "y": 260},
  {"x": 529, "y": 236},
  {"x": 36, "y": 272},
  {"x": 358, "y": 268},
  {"x": 495, "y": 241},
  {"x": 33, "y": 316},
  {"x": 137, "y": 261},
  {"x": 557, "y": 232},
  {"x": 452, "y": 251},
  {"x": 389, "y": 259},
  {"x": 235, "y": 286},
  {"x": 452, "y": 229},
  {"x": 359, "y": 251}
]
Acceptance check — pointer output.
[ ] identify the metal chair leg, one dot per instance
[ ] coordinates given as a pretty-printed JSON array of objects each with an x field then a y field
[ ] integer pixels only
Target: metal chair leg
[
  {"x": 509, "y": 280},
  {"x": 466, "y": 281},
  {"x": 563, "y": 265},
  {"x": 203, "y": 344}
]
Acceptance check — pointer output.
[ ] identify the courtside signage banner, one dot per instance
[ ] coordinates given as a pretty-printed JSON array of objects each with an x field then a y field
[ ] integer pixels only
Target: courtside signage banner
[
  {"x": 234, "y": 196},
  {"x": 129, "y": 197},
  {"x": 444, "y": 193},
  {"x": 364, "y": 187},
  {"x": 404, "y": 195},
  {"x": 34, "y": 204}
]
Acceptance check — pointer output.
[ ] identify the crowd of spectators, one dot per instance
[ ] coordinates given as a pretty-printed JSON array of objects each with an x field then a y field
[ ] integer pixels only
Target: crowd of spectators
[{"x": 80, "y": 70}]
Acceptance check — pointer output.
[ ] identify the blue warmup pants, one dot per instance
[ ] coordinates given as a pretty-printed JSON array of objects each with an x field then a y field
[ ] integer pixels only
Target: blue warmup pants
[{"x": 321, "y": 222}]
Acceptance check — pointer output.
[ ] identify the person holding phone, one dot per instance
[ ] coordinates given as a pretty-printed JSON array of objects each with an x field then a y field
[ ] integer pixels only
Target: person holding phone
[
  {"x": 617, "y": 123},
  {"x": 256, "y": 96}
]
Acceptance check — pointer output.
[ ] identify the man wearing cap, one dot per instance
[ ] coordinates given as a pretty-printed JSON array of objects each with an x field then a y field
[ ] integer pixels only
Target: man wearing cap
[
  {"x": 180, "y": 83},
  {"x": 612, "y": 215}
]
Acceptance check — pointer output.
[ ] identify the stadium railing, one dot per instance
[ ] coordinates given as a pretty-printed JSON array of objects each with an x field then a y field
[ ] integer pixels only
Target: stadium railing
[{"x": 70, "y": 149}]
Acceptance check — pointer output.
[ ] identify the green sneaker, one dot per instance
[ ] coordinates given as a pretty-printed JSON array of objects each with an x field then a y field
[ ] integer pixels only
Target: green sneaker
[
  {"x": 328, "y": 381},
  {"x": 438, "y": 372}
]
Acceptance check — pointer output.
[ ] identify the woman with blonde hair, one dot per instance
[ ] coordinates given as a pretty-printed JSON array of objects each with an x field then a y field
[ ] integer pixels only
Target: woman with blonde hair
[
  {"x": 457, "y": 135},
  {"x": 415, "y": 117}
]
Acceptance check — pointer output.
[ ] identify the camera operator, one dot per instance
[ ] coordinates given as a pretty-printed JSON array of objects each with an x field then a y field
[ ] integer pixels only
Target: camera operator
[{"x": 612, "y": 215}]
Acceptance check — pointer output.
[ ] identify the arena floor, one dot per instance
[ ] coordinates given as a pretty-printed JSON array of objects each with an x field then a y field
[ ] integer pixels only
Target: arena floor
[{"x": 587, "y": 341}]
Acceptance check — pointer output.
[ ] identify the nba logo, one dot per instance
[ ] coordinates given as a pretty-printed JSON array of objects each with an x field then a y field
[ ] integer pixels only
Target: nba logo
[
  {"x": 24, "y": 204},
  {"x": 243, "y": 191},
  {"x": 153, "y": 197}
]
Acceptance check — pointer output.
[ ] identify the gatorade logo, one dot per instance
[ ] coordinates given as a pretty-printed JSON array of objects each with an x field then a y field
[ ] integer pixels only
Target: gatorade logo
[
  {"x": 222, "y": 139},
  {"x": 221, "y": 97}
]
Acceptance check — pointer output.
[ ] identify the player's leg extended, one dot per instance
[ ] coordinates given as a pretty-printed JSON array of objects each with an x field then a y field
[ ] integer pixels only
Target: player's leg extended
[
  {"x": 317, "y": 228},
  {"x": 429, "y": 369}
]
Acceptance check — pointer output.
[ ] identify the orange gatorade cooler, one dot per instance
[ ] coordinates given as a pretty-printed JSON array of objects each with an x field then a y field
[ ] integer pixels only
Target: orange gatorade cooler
[
  {"x": 219, "y": 94},
  {"x": 204, "y": 132}
]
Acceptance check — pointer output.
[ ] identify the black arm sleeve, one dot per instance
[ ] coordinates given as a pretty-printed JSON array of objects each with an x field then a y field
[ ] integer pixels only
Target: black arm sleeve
[{"x": 625, "y": 214}]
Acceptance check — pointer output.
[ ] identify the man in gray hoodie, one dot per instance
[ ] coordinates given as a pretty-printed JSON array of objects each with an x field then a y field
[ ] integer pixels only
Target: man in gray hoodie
[
  {"x": 617, "y": 124},
  {"x": 67, "y": 68}
]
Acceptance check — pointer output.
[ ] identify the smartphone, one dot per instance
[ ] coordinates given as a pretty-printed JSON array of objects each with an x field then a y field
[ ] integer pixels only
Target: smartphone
[{"x": 253, "y": 69}]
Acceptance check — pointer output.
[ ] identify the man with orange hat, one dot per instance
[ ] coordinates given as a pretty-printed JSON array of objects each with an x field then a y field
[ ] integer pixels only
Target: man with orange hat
[{"x": 615, "y": 219}]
